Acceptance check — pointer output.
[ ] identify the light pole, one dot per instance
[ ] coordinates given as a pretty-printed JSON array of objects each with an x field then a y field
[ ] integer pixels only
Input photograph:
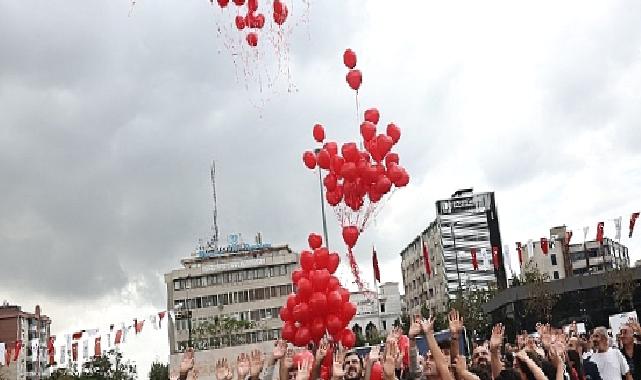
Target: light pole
[
  {"x": 320, "y": 184},
  {"x": 458, "y": 273}
]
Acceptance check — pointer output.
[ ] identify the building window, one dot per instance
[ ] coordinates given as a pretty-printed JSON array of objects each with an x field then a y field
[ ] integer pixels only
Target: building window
[
  {"x": 383, "y": 309},
  {"x": 553, "y": 258},
  {"x": 556, "y": 275},
  {"x": 384, "y": 325}
]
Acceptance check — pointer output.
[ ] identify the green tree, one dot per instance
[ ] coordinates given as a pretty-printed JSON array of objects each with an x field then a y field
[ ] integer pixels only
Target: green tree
[
  {"x": 110, "y": 366},
  {"x": 469, "y": 303},
  {"x": 541, "y": 299},
  {"x": 222, "y": 329},
  {"x": 620, "y": 283},
  {"x": 159, "y": 371}
]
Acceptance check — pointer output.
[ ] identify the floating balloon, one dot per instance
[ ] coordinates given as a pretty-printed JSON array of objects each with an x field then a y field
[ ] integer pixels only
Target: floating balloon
[
  {"x": 368, "y": 130},
  {"x": 330, "y": 182},
  {"x": 307, "y": 260},
  {"x": 350, "y": 235},
  {"x": 304, "y": 288},
  {"x": 334, "y": 300},
  {"x": 314, "y": 240},
  {"x": 372, "y": 115},
  {"x": 297, "y": 274},
  {"x": 354, "y": 79},
  {"x": 333, "y": 284},
  {"x": 240, "y": 22},
  {"x": 285, "y": 314},
  {"x": 321, "y": 258},
  {"x": 324, "y": 160},
  {"x": 333, "y": 324},
  {"x": 344, "y": 293},
  {"x": 332, "y": 148},
  {"x": 349, "y": 58},
  {"x": 252, "y": 39},
  {"x": 223, "y": 3},
  {"x": 302, "y": 337},
  {"x": 318, "y": 303},
  {"x": 252, "y": 5},
  {"x": 348, "y": 338},
  {"x": 309, "y": 158},
  {"x": 391, "y": 158},
  {"x": 301, "y": 312},
  {"x": 319, "y": 133},
  {"x": 239, "y": 2},
  {"x": 347, "y": 313},
  {"x": 280, "y": 12},
  {"x": 332, "y": 262},
  {"x": 317, "y": 327},
  {"x": 291, "y": 302},
  {"x": 288, "y": 331},
  {"x": 394, "y": 132}
]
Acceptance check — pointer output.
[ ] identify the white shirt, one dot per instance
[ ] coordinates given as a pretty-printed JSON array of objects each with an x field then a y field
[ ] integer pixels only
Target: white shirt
[{"x": 611, "y": 364}]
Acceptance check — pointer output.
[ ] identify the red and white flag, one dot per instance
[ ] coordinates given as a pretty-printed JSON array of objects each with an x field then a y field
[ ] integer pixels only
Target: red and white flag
[
  {"x": 519, "y": 250},
  {"x": 74, "y": 351},
  {"x": 475, "y": 262},
  {"x": 426, "y": 257},
  {"x": 633, "y": 219},
  {"x": 97, "y": 350},
  {"x": 51, "y": 350},
  {"x": 16, "y": 353},
  {"x": 138, "y": 326},
  {"x": 599, "y": 232},
  {"x": 496, "y": 259},
  {"x": 161, "y": 315},
  {"x": 377, "y": 271},
  {"x": 118, "y": 338},
  {"x": 544, "y": 245}
]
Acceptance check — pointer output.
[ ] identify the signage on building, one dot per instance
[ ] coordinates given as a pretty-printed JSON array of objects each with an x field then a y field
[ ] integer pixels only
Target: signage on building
[{"x": 233, "y": 265}]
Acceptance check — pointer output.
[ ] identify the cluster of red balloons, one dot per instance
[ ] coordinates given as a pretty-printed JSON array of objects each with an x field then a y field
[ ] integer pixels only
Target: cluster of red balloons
[
  {"x": 354, "y": 77},
  {"x": 355, "y": 174},
  {"x": 320, "y": 304},
  {"x": 253, "y": 19}
]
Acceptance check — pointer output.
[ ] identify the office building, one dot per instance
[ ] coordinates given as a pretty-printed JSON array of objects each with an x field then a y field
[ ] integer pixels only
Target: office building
[
  {"x": 32, "y": 331},
  {"x": 379, "y": 312}
]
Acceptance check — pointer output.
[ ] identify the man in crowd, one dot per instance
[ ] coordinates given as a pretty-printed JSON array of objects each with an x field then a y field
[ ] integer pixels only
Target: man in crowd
[
  {"x": 610, "y": 362},
  {"x": 631, "y": 350}
]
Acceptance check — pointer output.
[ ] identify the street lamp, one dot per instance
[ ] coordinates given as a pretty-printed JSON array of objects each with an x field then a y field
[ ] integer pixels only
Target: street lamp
[
  {"x": 320, "y": 183},
  {"x": 458, "y": 273}
]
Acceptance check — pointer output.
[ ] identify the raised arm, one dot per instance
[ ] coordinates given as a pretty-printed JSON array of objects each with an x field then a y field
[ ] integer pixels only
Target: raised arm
[
  {"x": 280, "y": 347},
  {"x": 286, "y": 364},
  {"x": 187, "y": 364},
  {"x": 495, "y": 349},
  {"x": 390, "y": 357},
  {"x": 442, "y": 366},
  {"x": 456, "y": 326},
  {"x": 373, "y": 357},
  {"x": 256, "y": 364},
  {"x": 535, "y": 369},
  {"x": 461, "y": 369},
  {"x": 321, "y": 352},
  {"x": 415, "y": 330}
]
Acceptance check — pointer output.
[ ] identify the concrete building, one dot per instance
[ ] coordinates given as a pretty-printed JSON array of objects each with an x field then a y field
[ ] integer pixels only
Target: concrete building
[
  {"x": 32, "y": 330},
  {"x": 378, "y": 313},
  {"x": 465, "y": 222},
  {"x": 565, "y": 260},
  {"x": 239, "y": 282}
]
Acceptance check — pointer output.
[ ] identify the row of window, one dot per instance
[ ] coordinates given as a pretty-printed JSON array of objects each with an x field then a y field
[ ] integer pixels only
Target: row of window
[
  {"x": 233, "y": 340},
  {"x": 236, "y": 297},
  {"x": 232, "y": 277},
  {"x": 250, "y": 315}
]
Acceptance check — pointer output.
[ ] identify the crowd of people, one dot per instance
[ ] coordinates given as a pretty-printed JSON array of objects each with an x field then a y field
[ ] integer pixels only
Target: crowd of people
[{"x": 549, "y": 354}]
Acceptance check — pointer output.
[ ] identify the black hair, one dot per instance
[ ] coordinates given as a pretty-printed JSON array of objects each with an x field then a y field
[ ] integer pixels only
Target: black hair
[
  {"x": 575, "y": 360},
  {"x": 508, "y": 374}
]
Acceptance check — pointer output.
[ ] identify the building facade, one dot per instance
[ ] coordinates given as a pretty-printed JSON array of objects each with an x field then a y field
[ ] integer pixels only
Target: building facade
[
  {"x": 466, "y": 222},
  {"x": 566, "y": 260},
  {"x": 33, "y": 331},
  {"x": 379, "y": 313},
  {"x": 228, "y": 300}
]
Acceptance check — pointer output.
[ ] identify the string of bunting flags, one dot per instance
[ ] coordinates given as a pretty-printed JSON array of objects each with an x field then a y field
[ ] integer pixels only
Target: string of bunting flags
[{"x": 69, "y": 349}]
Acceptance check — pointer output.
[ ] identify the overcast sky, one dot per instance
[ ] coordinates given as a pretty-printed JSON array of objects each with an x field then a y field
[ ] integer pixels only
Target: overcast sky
[{"x": 108, "y": 124}]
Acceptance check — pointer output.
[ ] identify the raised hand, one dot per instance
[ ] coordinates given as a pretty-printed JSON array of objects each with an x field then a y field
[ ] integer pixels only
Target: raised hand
[
  {"x": 187, "y": 364},
  {"x": 428, "y": 325},
  {"x": 256, "y": 363},
  {"x": 280, "y": 348},
  {"x": 242, "y": 366},
  {"x": 415, "y": 327},
  {"x": 390, "y": 358},
  {"x": 303, "y": 369},
  {"x": 374, "y": 354},
  {"x": 339, "y": 360},
  {"x": 546, "y": 335},
  {"x": 395, "y": 334},
  {"x": 223, "y": 372},
  {"x": 288, "y": 362},
  {"x": 321, "y": 351},
  {"x": 456, "y": 322},
  {"x": 497, "y": 337},
  {"x": 461, "y": 364}
]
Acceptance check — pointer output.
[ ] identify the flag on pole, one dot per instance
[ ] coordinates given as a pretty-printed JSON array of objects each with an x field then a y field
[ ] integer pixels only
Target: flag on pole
[
  {"x": 599, "y": 232},
  {"x": 97, "y": 350},
  {"x": 138, "y": 326},
  {"x": 544, "y": 245},
  {"x": 568, "y": 237},
  {"x": 586, "y": 229},
  {"x": 118, "y": 339},
  {"x": 377, "y": 271},
  {"x": 16, "y": 353},
  {"x": 51, "y": 349},
  {"x": 74, "y": 351},
  {"x": 426, "y": 257},
  {"x": 77, "y": 335},
  {"x": 496, "y": 259},
  {"x": 519, "y": 250},
  {"x": 475, "y": 262},
  {"x": 633, "y": 219},
  {"x": 161, "y": 315},
  {"x": 617, "y": 227}
]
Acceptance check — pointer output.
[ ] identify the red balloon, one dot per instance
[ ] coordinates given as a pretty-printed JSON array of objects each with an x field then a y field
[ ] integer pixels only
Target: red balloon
[
  {"x": 332, "y": 148},
  {"x": 259, "y": 21},
  {"x": 318, "y": 303},
  {"x": 252, "y": 39},
  {"x": 383, "y": 145},
  {"x": 374, "y": 195},
  {"x": 324, "y": 159},
  {"x": 394, "y": 172},
  {"x": 372, "y": 115},
  {"x": 333, "y": 197},
  {"x": 252, "y": 5},
  {"x": 321, "y": 257},
  {"x": 317, "y": 327},
  {"x": 240, "y": 22},
  {"x": 297, "y": 274},
  {"x": 288, "y": 331},
  {"x": 309, "y": 158},
  {"x": 319, "y": 279},
  {"x": 280, "y": 12},
  {"x": 303, "y": 336},
  {"x": 394, "y": 132},
  {"x": 383, "y": 185},
  {"x": 223, "y": 3},
  {"x": 368, "y": 130},
  {"x": 354, "y": 79},
  {"x": 239, "y": 2},
  {"x": 332, "y": 262},
  {"x": 377, "y": 372},
  {"x": 333, "y": 324},
  {"x": 330, "y": 182},
  {"x": 391, "y": 158},
  {"x": 350, "y": 235},
  {"x": 304, "y": 288},
  {"x": 344, "y": 293},
  {"x": 314, "y": 241},
  {"x": 319, "y": 133},
  {"x": 337, "y": 164},
  {"x": 349, "y": 171},
  {"x": 285, "y": 314},
  {"x": 347, "y": 313},
  {"x": 334, "y": 300},
  {"x": 348, "y": 338},
  {"x": 333, "y": 284},
  {"x": 291, "y": 302},
  {"x": 403, "y": 180},
  {"x": 301, "y": 312},
  {"x": 350, "y": 152},
  {"x": 307, "y": 260},
  {"x": 349, "y": 58}
]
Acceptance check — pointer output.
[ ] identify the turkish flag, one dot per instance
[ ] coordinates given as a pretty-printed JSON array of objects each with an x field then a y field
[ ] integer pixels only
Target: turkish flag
[
  {"x": 97, "y": 350},
  {"x": 52, "y": 350},
  {"x": 495, "y": 257},
  {"x": 77, "y": 335},
  {"x": 475, "y": 263},
  {"x": 633, "y": 219},
  {"x": 16, "y": 353},
  {"x": 377, "y": 271},
  {"x": 519, "y": 250},
  {"x": 7, "y": 356},
  {"x": 544, "y": 245},
  {"x": 74, "y": 352},
  {"x": 599, "y": 232},
  {"x": 426, "y": 257},
  {"x": 568, "y": 237},
  {"x": 161, "y": 315},
  {"x": 118, "y": 337},
  {"x": 139, "y": 326}
]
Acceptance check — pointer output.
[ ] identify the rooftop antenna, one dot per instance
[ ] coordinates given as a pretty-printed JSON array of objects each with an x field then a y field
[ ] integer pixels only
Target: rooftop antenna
[{"x": 214, "y": 226}]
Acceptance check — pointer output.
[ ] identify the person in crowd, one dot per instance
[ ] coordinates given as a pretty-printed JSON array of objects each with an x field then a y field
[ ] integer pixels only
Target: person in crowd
[
  {"x": 611, "y": 363},
  {"x": 631, "y": 350}
]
